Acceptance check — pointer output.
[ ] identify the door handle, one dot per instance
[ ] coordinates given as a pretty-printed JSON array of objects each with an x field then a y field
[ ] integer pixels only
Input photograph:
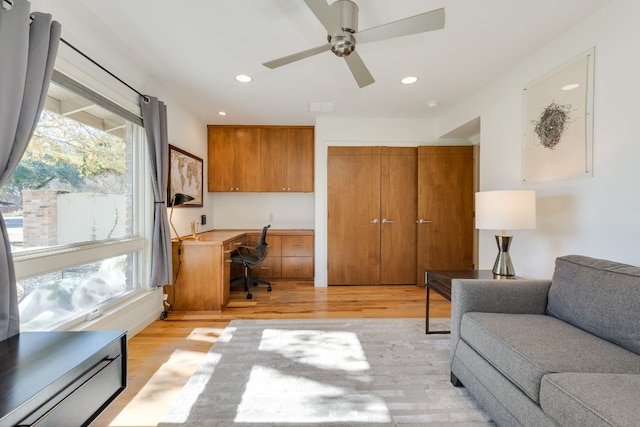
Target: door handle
[
  {"x": 422, "y": 221},
  {"x": 374, "y": 221},
  {"x": 387, "y": 221}
]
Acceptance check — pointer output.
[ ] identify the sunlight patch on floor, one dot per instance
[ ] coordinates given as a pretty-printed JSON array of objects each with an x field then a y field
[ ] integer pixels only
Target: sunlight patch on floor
[
  {"x": 272, "y": 396},
  {"x": 161, "y": 389},
  {"x": 321, "y": 349},
  {"x": 205, "y": 334}
]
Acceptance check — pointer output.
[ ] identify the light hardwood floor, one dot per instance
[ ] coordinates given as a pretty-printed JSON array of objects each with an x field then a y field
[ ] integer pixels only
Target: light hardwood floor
[{"x": 165, "y": 354}]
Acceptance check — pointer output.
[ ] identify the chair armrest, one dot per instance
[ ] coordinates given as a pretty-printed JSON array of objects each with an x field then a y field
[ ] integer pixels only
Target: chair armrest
[{"x": 495, "y": 296}]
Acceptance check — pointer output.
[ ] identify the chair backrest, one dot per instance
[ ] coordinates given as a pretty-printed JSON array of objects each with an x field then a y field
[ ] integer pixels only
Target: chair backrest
[{"x": 261, "y": 247}]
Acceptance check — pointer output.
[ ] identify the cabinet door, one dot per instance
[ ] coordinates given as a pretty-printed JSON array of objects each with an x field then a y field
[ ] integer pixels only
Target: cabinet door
[
  {"x": 299, "y": 154},
  {"x": 221, "y": 159},
  {"x": 273, "y": 155},
  {"x": 247, "y": 159},
  {"x": 353, "y": 204},
  {"x": 398, "y": 199},
  {"x": 445, "y": 209}
]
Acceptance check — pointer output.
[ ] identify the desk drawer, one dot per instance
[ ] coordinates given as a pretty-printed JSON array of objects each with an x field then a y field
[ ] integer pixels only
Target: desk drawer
[
  {"x": 297, "y": 267},
  {"x": 269, "y": 268}
]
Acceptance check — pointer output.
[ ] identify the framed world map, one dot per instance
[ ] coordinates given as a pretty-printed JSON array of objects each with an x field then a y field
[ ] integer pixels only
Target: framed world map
[{"x": 185, "y": 176}]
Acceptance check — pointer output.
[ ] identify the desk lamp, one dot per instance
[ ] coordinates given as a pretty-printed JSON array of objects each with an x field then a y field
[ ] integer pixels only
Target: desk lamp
[
  {"x": 505, "y": 210},
  {"x": 177, "y": 200}
]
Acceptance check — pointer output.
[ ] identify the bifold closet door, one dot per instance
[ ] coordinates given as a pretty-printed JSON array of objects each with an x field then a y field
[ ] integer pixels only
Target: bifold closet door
[
  {"x": 398, "y": 210},
  {"x": 353, "y": 208}
]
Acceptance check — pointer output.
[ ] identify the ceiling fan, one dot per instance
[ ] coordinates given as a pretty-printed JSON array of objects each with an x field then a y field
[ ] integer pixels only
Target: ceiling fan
[{"x": 340, "y": 19}]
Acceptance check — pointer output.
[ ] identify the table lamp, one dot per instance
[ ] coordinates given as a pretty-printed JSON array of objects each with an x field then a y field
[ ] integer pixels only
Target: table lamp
[
  {"x": 177, "y": 200},
  {"x": 505, "y": 210}
]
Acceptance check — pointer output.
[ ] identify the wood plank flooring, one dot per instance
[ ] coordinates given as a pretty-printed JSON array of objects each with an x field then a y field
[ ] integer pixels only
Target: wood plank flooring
[{"x": 165, "y": 354}]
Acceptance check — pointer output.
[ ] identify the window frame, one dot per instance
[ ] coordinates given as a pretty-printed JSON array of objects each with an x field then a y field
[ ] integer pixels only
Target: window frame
[{"x": 35, "y": 262}]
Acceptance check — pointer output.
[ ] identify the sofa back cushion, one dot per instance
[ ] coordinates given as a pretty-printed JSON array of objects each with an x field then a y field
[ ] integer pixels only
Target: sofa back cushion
[{"x": 601, "y": 297}]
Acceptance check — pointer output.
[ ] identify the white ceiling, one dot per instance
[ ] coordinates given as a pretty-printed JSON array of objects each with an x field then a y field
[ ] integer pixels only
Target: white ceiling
[{"x": 196, "y": 47}]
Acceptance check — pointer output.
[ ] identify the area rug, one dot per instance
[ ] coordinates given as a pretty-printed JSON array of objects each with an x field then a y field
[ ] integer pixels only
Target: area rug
[{"x": 325, "y": 372}]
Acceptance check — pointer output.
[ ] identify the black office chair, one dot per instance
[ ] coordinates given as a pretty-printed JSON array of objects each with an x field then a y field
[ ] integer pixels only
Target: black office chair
[{"x": 250, "y": 257}]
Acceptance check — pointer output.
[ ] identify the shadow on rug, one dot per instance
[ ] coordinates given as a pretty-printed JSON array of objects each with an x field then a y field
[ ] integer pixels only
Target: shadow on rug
[{"x": 325, "y": 372}]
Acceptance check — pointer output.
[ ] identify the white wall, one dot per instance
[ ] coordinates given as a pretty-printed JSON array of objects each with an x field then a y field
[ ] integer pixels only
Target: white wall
[
  {"x": 83, "y": 30},
  {"x": 596, "y": 216}
]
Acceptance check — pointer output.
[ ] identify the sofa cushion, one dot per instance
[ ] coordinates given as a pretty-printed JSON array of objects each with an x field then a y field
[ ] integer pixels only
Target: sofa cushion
[
  {"x": 525, "y": 347},
  {"x": 591, "y": 399},
  {"x": 599, "y": 296}
]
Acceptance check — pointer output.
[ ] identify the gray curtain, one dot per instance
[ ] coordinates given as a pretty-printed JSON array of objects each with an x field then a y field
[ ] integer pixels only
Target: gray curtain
[
  {"x": 28, "y": 47},
  {"x": 154, "y": 116}
]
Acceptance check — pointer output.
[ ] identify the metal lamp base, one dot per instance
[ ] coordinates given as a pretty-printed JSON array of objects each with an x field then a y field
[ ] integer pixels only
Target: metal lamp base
[{"x": 503, "y": 266}]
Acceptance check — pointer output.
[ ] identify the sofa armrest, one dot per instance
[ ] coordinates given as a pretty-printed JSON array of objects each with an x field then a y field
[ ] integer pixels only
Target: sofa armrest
[{"x": 495, "y": 296}]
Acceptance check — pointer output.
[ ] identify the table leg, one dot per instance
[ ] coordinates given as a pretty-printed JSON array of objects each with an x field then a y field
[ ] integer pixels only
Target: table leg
[{"x": 426, "y": 327}]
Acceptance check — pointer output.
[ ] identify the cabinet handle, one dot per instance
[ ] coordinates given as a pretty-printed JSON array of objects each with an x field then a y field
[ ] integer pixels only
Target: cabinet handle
[
  {"x": 422, "y": 221},
  {"x": 297, "y": 246},
  {"x": 296, "y": 267},
  {"x": 387, "y": 221},
  {"x": 237, "y": 189},
  {"x": 265, "y": 268},
  {"x": 231, "y": 189},
  {"x": 374, "y": 221},
  {"x": 238, "y": 243}
]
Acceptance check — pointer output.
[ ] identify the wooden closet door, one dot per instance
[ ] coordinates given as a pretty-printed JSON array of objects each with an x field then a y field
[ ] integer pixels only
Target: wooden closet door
[
  {"x": 353, "y": 224},
  {"x": 398, "y": 197},
  {"x": 445, "y": 207}
]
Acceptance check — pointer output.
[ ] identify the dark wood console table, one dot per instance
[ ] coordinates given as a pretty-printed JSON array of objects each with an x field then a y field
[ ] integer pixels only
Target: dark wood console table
[
  {"x": 60, "y": 378},
  {"x": 440, "y": 281}
]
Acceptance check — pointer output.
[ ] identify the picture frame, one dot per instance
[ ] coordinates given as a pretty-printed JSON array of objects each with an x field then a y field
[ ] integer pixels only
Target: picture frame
[
  {"x": 558, "y": 122},
  {"x": 185, "y": 176}
]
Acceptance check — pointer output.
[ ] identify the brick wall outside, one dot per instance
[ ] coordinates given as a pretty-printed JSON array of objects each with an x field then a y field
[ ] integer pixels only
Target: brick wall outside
[{"x": 40, "y": 217}]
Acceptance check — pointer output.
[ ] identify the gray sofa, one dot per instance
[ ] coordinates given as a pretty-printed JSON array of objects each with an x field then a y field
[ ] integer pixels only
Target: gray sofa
[{"x": 554, "y": 352}]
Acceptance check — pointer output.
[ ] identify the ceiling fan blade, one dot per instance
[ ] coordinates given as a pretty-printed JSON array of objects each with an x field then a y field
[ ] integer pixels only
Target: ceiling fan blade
[
  {"x": 359, "y": 70},
  {"x": 424, "y": 22},
  {"x": 296, "y": 56},
  {"x": 325, "y": 15}
]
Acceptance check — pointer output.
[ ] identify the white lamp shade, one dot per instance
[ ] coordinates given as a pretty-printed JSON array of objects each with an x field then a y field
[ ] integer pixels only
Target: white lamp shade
[{"x": 506, "y": 210}]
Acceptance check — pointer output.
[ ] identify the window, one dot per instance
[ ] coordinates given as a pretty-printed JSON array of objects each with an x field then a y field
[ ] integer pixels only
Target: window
[{"x": 74, "y": 208}]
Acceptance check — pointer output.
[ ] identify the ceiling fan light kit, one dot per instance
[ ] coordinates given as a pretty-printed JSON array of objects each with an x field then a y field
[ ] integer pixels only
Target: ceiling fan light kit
[{"x": 340, "y": 19}]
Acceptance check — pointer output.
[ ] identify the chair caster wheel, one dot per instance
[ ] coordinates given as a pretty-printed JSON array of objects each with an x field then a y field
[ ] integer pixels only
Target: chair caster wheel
[
  {"x": 249, "y": 296},
  {"x": 269, "y": 289}
]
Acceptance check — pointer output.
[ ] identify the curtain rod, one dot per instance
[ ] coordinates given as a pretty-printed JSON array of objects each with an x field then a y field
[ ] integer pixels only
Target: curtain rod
[{"x": 103, "y": 68}]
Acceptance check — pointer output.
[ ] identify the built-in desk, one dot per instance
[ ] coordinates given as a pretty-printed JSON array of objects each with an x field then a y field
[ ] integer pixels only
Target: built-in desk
[{"x": 204, "y": 270}]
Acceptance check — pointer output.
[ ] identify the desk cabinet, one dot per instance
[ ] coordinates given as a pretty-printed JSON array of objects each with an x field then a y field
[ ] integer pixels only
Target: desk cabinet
[
  {"x": 60, "y": 378},
  {"x": 289, "y": 255},
  {"x": 203, "y": 271}
]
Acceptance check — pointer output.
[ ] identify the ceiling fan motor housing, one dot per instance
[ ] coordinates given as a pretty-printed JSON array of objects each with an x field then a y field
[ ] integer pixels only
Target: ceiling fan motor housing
[{"x": 346, "y": 13}]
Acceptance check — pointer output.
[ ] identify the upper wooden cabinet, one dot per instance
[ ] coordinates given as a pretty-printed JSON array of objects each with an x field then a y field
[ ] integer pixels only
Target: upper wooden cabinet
[
  {"x": 233, "y": 159},
  {"x": 260, "y": 158}
]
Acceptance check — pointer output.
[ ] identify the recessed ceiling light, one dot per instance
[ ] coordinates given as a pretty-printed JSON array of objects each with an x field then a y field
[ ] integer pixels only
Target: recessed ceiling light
[
  {"x": 570, "y": 87},
  {"x": 243, "y": 78},
  {"x": 222, "y": 113},
  {"x": 432, "y": 104},
  {"x": 409, "y": 80}
]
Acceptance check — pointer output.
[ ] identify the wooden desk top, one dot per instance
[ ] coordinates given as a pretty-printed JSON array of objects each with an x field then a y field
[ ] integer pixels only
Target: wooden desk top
[{"x": 220, "y": 237}]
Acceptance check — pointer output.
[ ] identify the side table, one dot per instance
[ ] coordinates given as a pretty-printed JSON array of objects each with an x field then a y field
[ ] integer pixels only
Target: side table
[{"x": 440, "y": 281}]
